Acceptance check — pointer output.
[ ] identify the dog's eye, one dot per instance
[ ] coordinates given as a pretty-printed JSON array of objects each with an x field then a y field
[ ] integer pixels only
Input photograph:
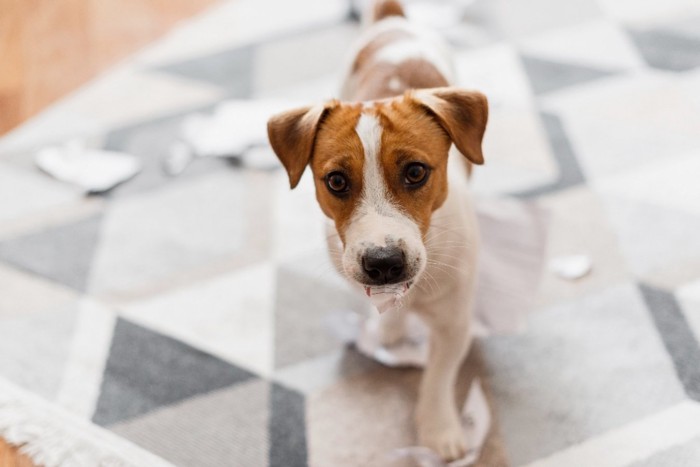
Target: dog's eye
[
  {"x": 415, "y": 174},
  {"x": 337, "y": 183}
]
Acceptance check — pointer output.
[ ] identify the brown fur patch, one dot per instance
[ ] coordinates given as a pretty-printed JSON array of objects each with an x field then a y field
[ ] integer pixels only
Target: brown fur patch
[
  {"x": 462, "y": 114},
  {"x": 409, "y": 136},
  {"x": 384, "y": 8},
  {"x": 339, "y": 149}
]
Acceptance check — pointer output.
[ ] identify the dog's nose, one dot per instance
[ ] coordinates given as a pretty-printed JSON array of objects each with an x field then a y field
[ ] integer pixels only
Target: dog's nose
[{"x": 384, "y": 265}]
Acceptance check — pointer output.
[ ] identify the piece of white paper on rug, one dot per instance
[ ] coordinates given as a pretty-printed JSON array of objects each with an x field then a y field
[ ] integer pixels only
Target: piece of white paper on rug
[
  {"x": 94, "y": 170},
  {"x": 571, "y": 267},
  {"x": 236, "y": 128}
]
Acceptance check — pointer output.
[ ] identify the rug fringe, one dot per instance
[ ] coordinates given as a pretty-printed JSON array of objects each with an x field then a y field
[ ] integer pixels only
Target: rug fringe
[{"x": 53, "y": 437}]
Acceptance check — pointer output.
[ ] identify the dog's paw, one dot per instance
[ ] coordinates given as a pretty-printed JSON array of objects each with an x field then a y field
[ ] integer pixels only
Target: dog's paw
[{"x": 447, "y": 441}]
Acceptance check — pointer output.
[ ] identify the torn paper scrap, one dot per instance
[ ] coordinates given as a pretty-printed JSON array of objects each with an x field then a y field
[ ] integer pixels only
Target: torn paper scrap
[
  {"x": 410, "y": 350},
  {"x": 387, "y": 297},
  {"x": 235, "y": 129},
  {"x": 476, "y": 421},
  {"x": 571, "y": 267},
  {"x": 94, "y": 170}
]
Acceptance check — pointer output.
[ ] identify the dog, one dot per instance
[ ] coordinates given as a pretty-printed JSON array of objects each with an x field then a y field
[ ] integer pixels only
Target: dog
[{"x": 391, "y": 160}]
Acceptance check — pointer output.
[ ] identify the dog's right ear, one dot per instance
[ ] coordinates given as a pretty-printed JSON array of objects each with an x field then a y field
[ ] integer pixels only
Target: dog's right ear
[{"x": 292, "y": 135}]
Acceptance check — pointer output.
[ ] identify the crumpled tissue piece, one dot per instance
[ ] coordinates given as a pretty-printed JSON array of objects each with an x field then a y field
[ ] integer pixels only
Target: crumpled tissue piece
[
  {"x": 571, "y": 267},
  {"x": 95, "y": 170},
  {"x": 236, "y": 129},
  {"x": 410, "y": 350},
  {"x": 387, "y": 297}
]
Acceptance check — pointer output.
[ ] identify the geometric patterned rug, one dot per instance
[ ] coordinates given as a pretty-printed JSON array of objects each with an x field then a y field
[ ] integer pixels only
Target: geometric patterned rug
[{"x": 187, "y": 315}]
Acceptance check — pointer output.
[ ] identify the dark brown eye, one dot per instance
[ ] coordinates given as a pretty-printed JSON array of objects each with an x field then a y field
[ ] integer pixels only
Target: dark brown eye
[
  {"x": 415, "y": 174},
  {"x": 337, "y": 182}
]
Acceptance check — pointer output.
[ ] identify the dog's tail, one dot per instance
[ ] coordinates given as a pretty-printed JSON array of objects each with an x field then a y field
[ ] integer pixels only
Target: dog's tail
[{"x": 385, "y": 8}]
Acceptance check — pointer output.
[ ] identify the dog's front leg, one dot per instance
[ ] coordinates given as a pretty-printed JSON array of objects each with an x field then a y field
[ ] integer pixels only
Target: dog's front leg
[{"x": 437, "y": 417}]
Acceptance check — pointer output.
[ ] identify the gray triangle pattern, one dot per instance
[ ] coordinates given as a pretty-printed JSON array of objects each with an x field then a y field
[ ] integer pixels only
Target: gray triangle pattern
[
  {"x": 547, "y": 76},
  {"x": 146, "y": 370},
  {"x": 231, "y": 70},
  {"x": 666, "y": 50},
  {"x": 287, "y": 428},
  {"x": 302, "y": 307},
  {"x": 62, "y": 254}
]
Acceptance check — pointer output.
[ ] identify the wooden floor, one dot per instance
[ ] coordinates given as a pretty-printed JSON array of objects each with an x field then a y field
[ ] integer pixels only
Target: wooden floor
[
  {"x": 9, "y": 457},
  {"x": 50, "y": 47}
]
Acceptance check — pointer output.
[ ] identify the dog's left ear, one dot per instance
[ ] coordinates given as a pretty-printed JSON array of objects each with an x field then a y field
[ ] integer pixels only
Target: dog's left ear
[
  {"x": 461, "y": 113},
  {"x": 292, "y": 135}
]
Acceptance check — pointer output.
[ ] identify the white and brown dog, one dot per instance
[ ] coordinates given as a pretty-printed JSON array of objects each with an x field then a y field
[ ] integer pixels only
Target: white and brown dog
[{"x": 400, "y": 206}]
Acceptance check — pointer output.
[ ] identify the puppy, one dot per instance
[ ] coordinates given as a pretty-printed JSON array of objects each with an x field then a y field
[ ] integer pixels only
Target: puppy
[{"x": 400, "y": 207}]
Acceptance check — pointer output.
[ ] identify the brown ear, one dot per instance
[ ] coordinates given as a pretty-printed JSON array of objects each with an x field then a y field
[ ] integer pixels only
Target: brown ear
[
  {"x": 292, "y": 135},
  {"x": 463, "y": 115}
]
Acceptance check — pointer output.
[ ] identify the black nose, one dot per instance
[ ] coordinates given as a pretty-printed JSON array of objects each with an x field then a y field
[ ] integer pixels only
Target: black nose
[{"x": 384, "y": 265}]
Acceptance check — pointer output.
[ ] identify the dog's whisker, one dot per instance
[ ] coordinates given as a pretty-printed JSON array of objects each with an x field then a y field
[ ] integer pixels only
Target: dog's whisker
[
  {"x": 441, "y": 264},
  {"x": 443, "y": 270}
]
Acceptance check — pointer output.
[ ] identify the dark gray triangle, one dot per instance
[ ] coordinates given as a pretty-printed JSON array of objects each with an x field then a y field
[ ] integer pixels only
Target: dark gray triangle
[
  {"x": 62, "y": 254},
  {"x": 677, "y": 336},
  {"x": 146, "y": 370},
  {"x": 570, "y": 173},
  {"x": 287, "y": 428},
  {"x": 667, "y": 50},
  {"x": 547, "y": 76},
  {"x": 231, "y": 70}
]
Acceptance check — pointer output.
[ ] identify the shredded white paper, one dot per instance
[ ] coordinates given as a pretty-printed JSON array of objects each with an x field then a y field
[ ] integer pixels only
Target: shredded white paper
[
  {"x": 236, "y": 129},
  {"x": 94, "y": 170},
  {"x": 571, "y": 267},
  {"x": 387, "y": 297}
]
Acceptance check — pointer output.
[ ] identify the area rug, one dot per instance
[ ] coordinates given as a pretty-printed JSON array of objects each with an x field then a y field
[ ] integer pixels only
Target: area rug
[{"x": 184, "y": 318}]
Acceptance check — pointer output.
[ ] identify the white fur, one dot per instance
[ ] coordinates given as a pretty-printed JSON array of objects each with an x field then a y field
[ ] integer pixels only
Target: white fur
[
  {"x": 395, "y": 84},
  {"x": 374, "y": 192}
]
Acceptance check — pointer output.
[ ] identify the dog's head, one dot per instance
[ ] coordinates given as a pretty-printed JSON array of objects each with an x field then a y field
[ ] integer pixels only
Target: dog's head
[{"x": 380, "y": 171}]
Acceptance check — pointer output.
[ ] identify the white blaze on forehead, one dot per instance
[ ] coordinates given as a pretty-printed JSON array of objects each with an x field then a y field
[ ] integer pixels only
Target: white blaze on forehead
[{"x": 374, "y": 191}]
